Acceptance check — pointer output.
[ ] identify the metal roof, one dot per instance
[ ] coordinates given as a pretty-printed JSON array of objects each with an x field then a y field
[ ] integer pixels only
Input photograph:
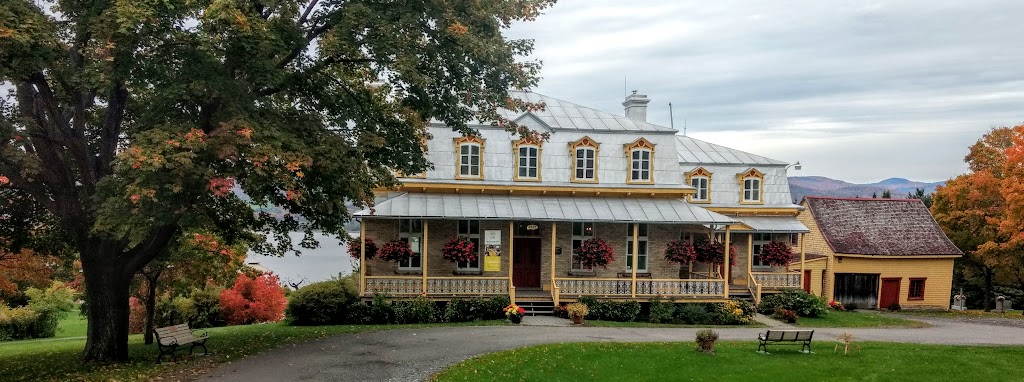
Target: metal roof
[
  {"x": 772, "y": 224},
  {"x": 697, "y": 151},
  {"x": 562, "y": 114},
  {"x": 543, "y": 208}
]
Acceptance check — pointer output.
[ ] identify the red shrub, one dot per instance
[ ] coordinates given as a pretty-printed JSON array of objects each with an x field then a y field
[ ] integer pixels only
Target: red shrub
[
  {"x": 136, "y": 315},
  {"x": 253, "y": 300}
]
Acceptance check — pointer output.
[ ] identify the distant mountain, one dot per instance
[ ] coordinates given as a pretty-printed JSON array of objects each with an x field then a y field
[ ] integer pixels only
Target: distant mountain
[{"x": 801, "y": 186}]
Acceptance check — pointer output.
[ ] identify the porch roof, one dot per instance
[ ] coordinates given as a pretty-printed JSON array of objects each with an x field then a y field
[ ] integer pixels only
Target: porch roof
[
  {"x": 772, "y": 224},
  {"x": 543, "y": 208}
]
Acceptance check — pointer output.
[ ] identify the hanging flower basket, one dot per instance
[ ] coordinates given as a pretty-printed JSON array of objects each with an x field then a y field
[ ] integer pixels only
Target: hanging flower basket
[
  {"x": 680, "y": 252},
  {"x": 396, "y": 251},
  {"x": 776, "y": 254},
  {"x": 713, "y": 252},
  {"x": 458, "y": 250},
  {"x": 594, "y": 252},
  {"x": 354, "y": 248}
]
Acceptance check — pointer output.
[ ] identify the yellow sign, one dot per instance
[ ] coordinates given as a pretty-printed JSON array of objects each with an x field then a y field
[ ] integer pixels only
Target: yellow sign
[{"x": 492, "y": 263}]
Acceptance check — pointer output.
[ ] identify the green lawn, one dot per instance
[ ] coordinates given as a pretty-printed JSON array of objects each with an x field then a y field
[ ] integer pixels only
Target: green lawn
[
  {"x": 617, "y": 324},
  {"x": 966, "y": 314},
  {"x": 738, "y": 361},
  {"x": 74, "y": 325},
  {"x": 56, "y": 359},
  {"x": 859, "y": 319}
]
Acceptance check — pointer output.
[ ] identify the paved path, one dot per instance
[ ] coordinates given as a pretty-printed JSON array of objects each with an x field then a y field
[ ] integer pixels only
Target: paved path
[{"x": 415, "y": 354}]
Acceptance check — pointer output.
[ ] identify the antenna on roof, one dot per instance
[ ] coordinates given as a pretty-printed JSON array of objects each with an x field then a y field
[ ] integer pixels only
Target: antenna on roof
[
  {"x": 684, "y": 127},
  {"x": 671, "y": 117}
]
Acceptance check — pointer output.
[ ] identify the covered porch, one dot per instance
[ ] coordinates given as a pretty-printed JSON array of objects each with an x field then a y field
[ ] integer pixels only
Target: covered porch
[{"x": 527, "y": 242}]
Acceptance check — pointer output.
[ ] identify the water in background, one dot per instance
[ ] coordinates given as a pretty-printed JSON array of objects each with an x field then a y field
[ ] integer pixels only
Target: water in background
[{"x": 312, "y": 265}]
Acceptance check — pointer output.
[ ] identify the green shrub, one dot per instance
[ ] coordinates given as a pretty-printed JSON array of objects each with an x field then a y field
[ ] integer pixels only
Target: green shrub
[
  {"x": 660, "y": 311},
  {"x": 17, "y": 323},
  {"x": 417, "y": 311},
  {"x": 803, "y": 303},
  {"x": 627, "y": 311},
  {"x": 52, "y": 305},
  {"x": 205, "y": 308},
  {"x": 358, "y": 313},
  {"x": 321, "y": 303},
  {"x": 691, "y": 314},
  {"x": 381, "y": 311},
  {"x": 458, "y": 310},
  {"x": 732, "y": 312}
]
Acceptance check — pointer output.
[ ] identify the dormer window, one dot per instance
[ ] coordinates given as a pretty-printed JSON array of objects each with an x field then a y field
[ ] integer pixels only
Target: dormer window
[
  {"x": 700, "y": 180},
  {"x": 469, "y": 158},
  {"x": 752, "y": 187},
  {"x": 640, "y": 154},
  {"x": 584, "y": 160},
  {"x": 527, "y": 153}
]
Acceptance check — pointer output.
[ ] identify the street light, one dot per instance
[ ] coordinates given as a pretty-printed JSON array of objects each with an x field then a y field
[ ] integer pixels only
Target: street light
[{"x": 795, "y": 166}]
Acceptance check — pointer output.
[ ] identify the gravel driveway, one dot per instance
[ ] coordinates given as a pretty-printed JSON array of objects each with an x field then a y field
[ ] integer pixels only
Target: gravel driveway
[{"x": 415, "y": 354}]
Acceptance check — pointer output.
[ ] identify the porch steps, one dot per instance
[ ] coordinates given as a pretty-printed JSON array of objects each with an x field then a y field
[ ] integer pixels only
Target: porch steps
[
  {"x": 741, "y": 293},
  {"x": 538, "y": 307}
]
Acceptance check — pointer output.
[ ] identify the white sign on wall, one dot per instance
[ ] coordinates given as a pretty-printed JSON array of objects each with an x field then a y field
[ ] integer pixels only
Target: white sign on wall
[{"x": 492, "y": 237}]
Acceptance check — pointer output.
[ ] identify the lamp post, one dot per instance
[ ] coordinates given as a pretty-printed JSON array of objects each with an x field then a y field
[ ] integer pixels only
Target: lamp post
[{"x": 796, "y": 166}]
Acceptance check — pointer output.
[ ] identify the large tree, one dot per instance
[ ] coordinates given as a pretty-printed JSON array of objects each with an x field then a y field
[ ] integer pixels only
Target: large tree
[{"x": 128, "y": 120}]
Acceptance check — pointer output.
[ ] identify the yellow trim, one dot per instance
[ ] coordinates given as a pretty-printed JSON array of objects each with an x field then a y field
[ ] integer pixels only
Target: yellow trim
[
  {"x": 639, "y": 144},
  {"x": 458, "y": 156},
  {"x": 698, "y": 172},
  {"x": 754, "y": 211},
  {"x": 536, "y": 189},
  {"x": 515, "y": 153},
  {"x": 751, "y": 173},
  {"x": 584, "y": 142},
  {"x": 898, "y": 257}
]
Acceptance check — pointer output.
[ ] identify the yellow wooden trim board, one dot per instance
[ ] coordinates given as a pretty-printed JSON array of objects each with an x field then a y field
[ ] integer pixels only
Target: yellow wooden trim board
[{"x": 413, "y": 186}]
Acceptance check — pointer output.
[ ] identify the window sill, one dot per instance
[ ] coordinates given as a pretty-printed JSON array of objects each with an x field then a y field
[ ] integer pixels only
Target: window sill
[
  {"x": 582, "y": 273},
  {"x": 474, "y": 272},
  {"x": 915, "y": 299},
  {"x": 639, "y": 275},
  {"x": 409, "y": 272}
]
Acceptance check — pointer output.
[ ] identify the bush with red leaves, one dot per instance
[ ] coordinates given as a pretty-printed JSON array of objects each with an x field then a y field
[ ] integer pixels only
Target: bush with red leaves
[{"x": 253, "y": 300}]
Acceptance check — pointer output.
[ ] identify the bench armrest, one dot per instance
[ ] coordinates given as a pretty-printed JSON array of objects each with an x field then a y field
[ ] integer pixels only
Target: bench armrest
[{"x": 200, "y": 333}]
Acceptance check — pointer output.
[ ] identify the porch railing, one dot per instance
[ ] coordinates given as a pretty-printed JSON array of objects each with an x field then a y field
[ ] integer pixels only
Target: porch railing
[
  {"x": 754, "y": 288},
  {"x": 413, "y": 285},
  {"x": 623, "y": 287},
  {"x": 772, "y": 280}
]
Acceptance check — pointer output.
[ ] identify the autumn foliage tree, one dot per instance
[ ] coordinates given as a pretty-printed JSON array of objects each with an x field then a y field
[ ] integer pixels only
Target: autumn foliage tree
[
  {"x": 982, "y": 211},
  {"x": 253, "y": 300},
  {"x": 131, "y": 123}
]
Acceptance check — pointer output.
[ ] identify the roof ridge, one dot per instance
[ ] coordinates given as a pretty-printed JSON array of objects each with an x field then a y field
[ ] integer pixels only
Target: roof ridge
[
  {"x": 862, "y": 199},
  {"x": 524, "y": 94}
]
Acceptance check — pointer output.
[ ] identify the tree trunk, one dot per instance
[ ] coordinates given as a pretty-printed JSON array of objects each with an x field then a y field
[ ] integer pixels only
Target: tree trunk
[
  {"x": 150, "y": 309},
  {"x": 106, "y": 287},
  {"x": 988, "y": 301}
]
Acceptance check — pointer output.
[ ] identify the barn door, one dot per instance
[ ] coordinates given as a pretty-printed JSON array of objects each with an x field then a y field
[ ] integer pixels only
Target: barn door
[
  {"x": 807, "y": 280},
  {"x": 857, "y": 288},
  {"x": 890, "y": 293}
]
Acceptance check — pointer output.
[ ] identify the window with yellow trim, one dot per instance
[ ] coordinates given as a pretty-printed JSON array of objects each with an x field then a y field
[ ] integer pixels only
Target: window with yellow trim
[
  {"x": 469, "y": 158},
  {"x": 527, "y": 161},
  {"x": 751, "y": 186},
  {"x": 584, "y": 160},
  {"x": 640, "y": 155},
  {"x": 700, "y": 180}
]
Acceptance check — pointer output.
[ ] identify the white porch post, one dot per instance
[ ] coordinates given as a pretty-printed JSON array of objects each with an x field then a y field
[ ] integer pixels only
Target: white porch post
[
  {"x": 636, "y": 254},
  {"x": 725, "y": 271},
  {"x": 423, "y": 255},
  {"x": 362, "y": 258}
]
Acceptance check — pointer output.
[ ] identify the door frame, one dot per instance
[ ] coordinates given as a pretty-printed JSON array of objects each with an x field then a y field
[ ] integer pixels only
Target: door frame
[{"x": 881, "y": 289}]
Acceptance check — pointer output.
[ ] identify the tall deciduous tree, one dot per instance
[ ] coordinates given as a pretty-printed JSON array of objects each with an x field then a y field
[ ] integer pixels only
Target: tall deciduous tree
[{"x": 129, "y": 120}]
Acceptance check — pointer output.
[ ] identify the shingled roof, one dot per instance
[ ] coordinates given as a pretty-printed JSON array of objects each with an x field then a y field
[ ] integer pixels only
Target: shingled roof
[{"x": 883, "y": 227}]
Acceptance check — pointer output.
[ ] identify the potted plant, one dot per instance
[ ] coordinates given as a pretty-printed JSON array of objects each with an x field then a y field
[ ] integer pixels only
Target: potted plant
[
  {"x": 777, "y": 254},
  {"x": 355, "y": 247},
  {"x": 594, "y": 252},
  {"x": 577, "y": 312},
  {"x": 459, "y": 250},
  {"x": 706, "y": 340},
  {"x": 514, "y": 313},
  {"x": 680, "y": 252},
  {"x": 396, "y": 251}
]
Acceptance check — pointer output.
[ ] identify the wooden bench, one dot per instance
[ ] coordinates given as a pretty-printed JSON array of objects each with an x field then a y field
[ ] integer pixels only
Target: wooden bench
[
  {"x": 785, "y": 337},
  {"x": 170, "y": 339}
]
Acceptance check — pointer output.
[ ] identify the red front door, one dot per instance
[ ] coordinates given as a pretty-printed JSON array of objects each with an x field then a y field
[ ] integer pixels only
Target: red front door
[
  {"x": 807, "y": 281},
  {"x": 526, "y": 262},
  {"x": 890, "y": 293}
]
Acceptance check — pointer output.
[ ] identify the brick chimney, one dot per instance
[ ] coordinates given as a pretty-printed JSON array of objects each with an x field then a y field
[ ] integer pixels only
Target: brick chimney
[{"x": 636, "y": 106}]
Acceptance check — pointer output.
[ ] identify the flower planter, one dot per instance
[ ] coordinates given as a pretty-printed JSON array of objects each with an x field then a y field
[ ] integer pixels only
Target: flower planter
[
  {"x": 707, "y": 346},
  {"x": 515, "y": 318},
  {"x": 577, "y": 320}
]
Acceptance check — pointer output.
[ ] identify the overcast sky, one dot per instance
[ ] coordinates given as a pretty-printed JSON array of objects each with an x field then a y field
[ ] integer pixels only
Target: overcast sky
[{"x": 859, "y": 91}]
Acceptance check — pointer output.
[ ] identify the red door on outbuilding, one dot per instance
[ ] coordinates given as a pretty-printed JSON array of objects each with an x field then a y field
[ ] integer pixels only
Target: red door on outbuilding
[{"x": 890, "y": 293}]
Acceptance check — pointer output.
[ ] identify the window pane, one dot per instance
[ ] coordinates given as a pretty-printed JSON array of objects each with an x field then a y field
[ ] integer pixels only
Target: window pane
[{"x": 533, "y": 172}]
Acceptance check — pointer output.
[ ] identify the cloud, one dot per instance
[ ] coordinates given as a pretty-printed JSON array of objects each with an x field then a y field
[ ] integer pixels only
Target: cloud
[{"x": 855, "y": 90}]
